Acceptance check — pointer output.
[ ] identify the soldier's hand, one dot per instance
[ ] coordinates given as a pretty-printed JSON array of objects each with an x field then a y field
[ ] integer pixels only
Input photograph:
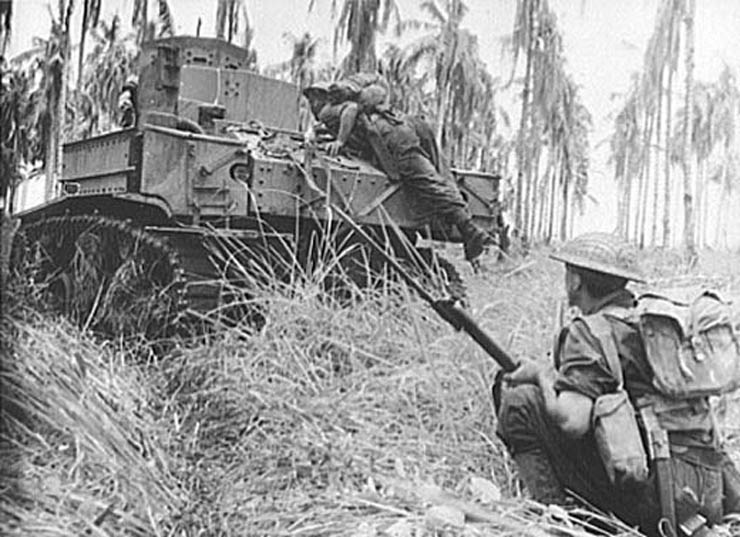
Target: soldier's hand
[
  {"x": 334, "y": 147},
  {"x": 527, "y": 372}
]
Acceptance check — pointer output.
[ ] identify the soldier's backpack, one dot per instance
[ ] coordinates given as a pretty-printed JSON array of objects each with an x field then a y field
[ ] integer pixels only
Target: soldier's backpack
[
  {"x": 369, "y": 90},
  {"x": 693, "y": 351},
  {"x": 692, "y": 347}
]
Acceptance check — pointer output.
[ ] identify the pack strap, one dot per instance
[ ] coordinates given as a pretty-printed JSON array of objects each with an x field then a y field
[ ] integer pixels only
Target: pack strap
[{"x": 601, "y": 329}]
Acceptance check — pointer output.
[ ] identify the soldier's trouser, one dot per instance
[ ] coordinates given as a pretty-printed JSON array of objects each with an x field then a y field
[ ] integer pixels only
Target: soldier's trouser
[
  {"x": 432, "y": 195},
  {"x": 524, "y": 427}
]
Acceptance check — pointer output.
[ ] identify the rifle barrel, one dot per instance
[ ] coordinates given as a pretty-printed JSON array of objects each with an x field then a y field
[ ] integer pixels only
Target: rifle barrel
[{"x": 446, "y": 309}]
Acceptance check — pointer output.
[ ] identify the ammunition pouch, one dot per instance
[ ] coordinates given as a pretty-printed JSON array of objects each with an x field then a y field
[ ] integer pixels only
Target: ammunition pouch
[
  {"x": 680, "y": 415},
  {"x": 613, "y": 419},
  {"x": 618, "y": 439}
]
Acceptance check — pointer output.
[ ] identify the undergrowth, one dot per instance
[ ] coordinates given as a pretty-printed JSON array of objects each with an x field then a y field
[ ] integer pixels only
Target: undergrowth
[{"x": 365, "y": 417}]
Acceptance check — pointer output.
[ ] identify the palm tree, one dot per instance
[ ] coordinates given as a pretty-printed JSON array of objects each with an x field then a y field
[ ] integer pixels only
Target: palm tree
[
  {"x": 140, "y": 21},
  {"x": 18, "y": 137},
  {"x": 523, "y": 40},
  {"x": 165, "y": 19},
  {"x": 626, "y": 154},
  {"x": 90, "y": 18},
  {"x": 726, "y": 108},
  {"x": 451, "y": 53},
  {"x": 51, "y": 95},
  {"x": 111, "y": 62},
  {"x": 227, "y": 26},
  {"x": 553, "y": 120},
  {"x": 408, "y": 86},
  {"x": 702, "y": 144},
  {"x": 672, "y": 57},
  {"x": 358, "y": 24},
  {"x": 148, "y": 28},
  {"x": 6, "y": 16},
  {"x": 688, "y": 199}
]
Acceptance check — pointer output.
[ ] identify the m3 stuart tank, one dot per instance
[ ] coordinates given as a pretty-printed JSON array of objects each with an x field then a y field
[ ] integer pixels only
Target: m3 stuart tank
[{"x": 214, "y": 147}]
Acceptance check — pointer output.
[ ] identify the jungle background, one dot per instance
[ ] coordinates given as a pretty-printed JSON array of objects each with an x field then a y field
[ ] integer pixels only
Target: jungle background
[{"x": 374, "y": 420}]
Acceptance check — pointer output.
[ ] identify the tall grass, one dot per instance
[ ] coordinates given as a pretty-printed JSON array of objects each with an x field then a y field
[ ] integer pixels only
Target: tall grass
[
  {"x": 81, "y": 442},
  {"x": 366, "y": 416}
]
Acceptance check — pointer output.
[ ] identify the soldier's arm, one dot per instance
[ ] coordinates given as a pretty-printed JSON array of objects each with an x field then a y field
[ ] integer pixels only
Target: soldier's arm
[
  {"x": 346, "y": 123},
  {"x": 570, "y": 410}
]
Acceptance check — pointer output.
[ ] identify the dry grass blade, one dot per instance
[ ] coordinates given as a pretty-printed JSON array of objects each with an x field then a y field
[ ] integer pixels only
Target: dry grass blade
[
  {"x": 338, "y": 417},
  {"x": 81, "y": 446}
]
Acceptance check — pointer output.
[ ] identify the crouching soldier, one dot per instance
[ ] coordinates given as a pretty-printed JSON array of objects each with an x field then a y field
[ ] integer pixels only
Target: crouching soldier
[
  {"x": 370, "y": 129},
  {"x": 610, "y": 420}
]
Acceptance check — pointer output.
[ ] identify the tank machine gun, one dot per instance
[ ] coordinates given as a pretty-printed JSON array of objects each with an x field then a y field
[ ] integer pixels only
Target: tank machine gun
[{"x": 214, "y": 146}]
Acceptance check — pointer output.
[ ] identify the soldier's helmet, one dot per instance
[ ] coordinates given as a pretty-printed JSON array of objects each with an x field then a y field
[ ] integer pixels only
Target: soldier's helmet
[
  {"x": 602, "y": 252},
  {"x": 318, "y": 89}
]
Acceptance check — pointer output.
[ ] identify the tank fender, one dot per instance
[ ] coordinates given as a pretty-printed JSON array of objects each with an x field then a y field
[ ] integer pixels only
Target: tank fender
[{"x": 137, "y": 207}]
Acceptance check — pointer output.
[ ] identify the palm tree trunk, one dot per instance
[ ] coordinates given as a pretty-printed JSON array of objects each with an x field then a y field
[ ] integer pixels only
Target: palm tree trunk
[
  {"x": 565, "y": 195},
  {"x": 545, "y": 199},
  {"x": 702, "y": 203},
  {"x": 524, "y": 120},
  {"x": 83, "y": 35},
  {"x": 688, "y": 200},
  {"x": 645, "y": 179},
  {"x": 144, "y": 21},
  {"x": 442, "y": 115},
  {"x": 628, "y": 196},
  {"x": 538, "y": 183},
  {"x": 724, "y": 199},
  {"x": 553, "y": 197},
  {"x": 656, "y": 180},
  {"x": 668, "y": 143}
]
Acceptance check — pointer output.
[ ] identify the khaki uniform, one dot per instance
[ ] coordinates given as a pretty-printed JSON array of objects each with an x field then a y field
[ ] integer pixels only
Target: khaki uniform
[
  {"x": 697, "y": 462},
  {"x": 433, "y": 194}
]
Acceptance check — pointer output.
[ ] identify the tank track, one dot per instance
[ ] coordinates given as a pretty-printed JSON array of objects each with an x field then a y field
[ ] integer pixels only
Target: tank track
[
  {"x": 120, "y": 279},
  {"x": 102, "y": 273}
]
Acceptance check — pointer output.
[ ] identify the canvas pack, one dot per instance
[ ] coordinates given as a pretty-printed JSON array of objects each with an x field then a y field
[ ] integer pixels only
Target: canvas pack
[{"x": 691, "y": 346}]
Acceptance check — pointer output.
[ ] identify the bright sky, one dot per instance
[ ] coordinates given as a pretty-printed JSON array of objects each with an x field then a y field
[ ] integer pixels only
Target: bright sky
[{"x": 604, "y": 43}]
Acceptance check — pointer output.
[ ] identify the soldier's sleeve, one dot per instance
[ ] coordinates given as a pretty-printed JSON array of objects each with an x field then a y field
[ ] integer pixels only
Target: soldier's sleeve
[
  {"x": 330, "y": 116},
  {"x": 582, "y": 365},
  {"x": 331, "y": 113}
]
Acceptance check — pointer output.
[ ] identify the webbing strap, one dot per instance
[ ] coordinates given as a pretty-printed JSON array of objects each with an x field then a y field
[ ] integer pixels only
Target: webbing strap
[{"x": 602, "y": 331}]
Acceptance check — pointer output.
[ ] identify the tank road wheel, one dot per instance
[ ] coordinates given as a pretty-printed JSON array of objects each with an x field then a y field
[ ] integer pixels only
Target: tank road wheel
[{"x": 101, "y": 273}]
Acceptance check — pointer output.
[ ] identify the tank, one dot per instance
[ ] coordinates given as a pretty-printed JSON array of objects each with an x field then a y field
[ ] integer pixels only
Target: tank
[{"x": 216, "y": 157}]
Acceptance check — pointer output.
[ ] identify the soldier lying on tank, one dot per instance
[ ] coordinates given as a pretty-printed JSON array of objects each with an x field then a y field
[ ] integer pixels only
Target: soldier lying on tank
[
  {"x": 392, "y": 142},
  {"x": 547, "y": 412}
]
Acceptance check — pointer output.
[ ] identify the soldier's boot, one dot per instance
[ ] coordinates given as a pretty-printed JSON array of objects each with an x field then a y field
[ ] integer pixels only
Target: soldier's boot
[
  {"x": 539, "y": 478},
  {"x": 474, "y": 239}
]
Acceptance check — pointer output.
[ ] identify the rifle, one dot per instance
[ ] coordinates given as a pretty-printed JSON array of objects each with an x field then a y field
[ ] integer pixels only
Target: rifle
[{"x": 445, "y": 308}]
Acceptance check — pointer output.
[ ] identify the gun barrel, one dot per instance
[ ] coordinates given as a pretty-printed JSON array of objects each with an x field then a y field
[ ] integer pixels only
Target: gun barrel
[
  {"x": 448, "y": 311},
  {"x": 462, "y": 321}
]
